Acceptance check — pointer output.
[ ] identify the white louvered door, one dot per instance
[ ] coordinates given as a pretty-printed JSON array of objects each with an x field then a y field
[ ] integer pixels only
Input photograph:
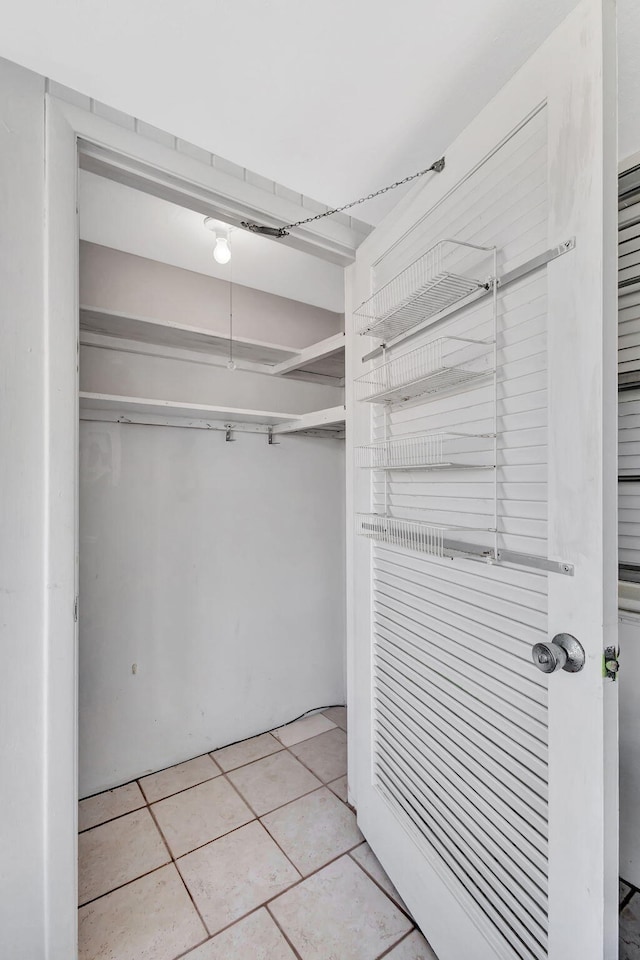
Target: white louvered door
[
  {"x": 629, "y": 376},
  {"x": 487, "y": 788}
]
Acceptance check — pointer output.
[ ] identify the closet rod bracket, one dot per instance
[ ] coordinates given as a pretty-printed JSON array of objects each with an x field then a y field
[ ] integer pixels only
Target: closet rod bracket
[{"x": 228, "y": 438}]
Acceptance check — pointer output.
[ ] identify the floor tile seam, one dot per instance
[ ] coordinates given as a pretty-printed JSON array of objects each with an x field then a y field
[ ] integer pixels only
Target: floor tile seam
[
  {"x": 385, "y": 953},
  {"x": 378, "y": 885},
  {"x": 243, "y": 916},
  {"x": 118, "y": 816},
  {"x": 334, "y": 726},
  {"x": 280, "y": 806},
  {"x": 268, "y": 903},
  {"x": 627, "y": 899},
  {"x": 206, "y": 843},
  {"x": 174, "y": 862},
  {"x": 316, "y": 775},
  {"x": 297, "y": 869},
  {"x": 210, "y": 937},
  {"x": 281, "y": 747},
  {"x": 288, "y": 859},
  {"x": 287, "y": 939},
  {"x": 184, "y": 789},
  {"x": 127, "y": 883}
]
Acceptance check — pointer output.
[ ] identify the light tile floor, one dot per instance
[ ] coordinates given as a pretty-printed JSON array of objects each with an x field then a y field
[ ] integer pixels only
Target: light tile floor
[
  {"x": 250, "y": 853},
  {"x": 629, "y": 922}
]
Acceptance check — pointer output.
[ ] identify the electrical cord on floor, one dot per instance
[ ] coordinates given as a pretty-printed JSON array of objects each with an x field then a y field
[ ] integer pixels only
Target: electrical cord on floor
[{"x": 330, "y": 706}]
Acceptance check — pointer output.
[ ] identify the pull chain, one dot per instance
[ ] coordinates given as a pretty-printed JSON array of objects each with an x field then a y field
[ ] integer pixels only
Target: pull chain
[
  {"x": 436, "y": 167},
  {"x": 231, "y": 364}
]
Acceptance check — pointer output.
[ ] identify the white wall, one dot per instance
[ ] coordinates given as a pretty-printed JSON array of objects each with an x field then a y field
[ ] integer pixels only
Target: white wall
[
  {"x": 217, "y": 568},
  {"x": 113, "y": 280}
]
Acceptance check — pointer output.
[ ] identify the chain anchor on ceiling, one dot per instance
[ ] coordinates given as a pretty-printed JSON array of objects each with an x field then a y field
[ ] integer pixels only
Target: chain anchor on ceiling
[{"x": 279, "y": 232}]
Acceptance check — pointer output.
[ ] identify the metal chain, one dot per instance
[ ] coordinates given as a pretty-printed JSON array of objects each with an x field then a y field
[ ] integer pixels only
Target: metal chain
[{"x": 436, "y": 167}]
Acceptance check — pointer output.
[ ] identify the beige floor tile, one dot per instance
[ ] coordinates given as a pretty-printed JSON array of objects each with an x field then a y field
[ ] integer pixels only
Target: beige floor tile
[
  {"x": 339, "y": 913},
  {"x": 630, "y": 930},
  {"x": 236, "y": 874},
  {"x": 313, "y": 830},
  {"x": 180, "y": 777},
  {"x": 367, "y": 859},
  {"x": 116, "y": 852},
  {"x": 414, "y": 947},
  {"x": 199, "y": 815},
  {"x": 254, "y": 938},
  {"x": 272, "y": 782},
  {"x": 339, "y": 787},
  {"x": 108, "y": 805},
  {"x": 303, "y": 729},
  {"x": 152, "y": 918},
  {"x": 239, "y": 754},
  {"x": 338, "y": 715},
  {"x": 325, "y": 755}
]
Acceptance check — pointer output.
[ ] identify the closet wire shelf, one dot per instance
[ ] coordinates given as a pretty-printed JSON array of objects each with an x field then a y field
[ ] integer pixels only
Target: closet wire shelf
[
  {"x": 430, "y": 451},
  {"x": 439, "y": 366},
  {"x": 446, "y": 273},
  {"x": 415, "y": 534}
]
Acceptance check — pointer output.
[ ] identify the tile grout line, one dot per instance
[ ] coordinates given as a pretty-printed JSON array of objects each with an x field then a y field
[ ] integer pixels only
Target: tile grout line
[
  {"x": 177, "y": 869},
  {"x": 378, "y": 885},
  {"x": 174, "y": 860},
  {"x": 287, "y": 939},
  {"x": 385, "y": 953}
]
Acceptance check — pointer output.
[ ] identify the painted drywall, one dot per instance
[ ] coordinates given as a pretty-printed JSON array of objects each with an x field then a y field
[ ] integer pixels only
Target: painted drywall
[
  {"x": 211, "y": 591},
  {"x": 114, "y": 280},
  {"x": 158, "y": 378},
  {"x": 120, "y": 217}
]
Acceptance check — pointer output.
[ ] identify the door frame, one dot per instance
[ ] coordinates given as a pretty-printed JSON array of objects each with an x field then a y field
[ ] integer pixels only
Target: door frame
[{"x": 76, "y": 138}]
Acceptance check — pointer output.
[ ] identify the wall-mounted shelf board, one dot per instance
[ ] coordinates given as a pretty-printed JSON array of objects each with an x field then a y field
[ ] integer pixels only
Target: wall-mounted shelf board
[
  {"x": 436, "y": 367},
  {"x": 179, "y": 336},
  {"x": 96, "y": 406},
  {"x": 325, "y": 358},
  {"x": 447, "y": 273},
  {"x": 332, "y": 418}
]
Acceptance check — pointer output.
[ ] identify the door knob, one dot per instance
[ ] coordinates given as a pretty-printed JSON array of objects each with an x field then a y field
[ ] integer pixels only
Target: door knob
[{"x": 564, "y": 652}]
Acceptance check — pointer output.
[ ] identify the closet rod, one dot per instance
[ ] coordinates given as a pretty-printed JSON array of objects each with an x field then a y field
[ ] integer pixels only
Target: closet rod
[{"x": 150, "y": 421}]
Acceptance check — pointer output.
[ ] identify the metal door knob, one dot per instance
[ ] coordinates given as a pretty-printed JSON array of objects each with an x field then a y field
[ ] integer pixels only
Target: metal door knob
[{"x": 564, "y": 652}]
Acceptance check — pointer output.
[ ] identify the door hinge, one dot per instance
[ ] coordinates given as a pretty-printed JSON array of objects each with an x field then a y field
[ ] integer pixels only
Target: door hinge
[
  {"x": 75, "y": 610},
  {"x": 611, "y": 663}
]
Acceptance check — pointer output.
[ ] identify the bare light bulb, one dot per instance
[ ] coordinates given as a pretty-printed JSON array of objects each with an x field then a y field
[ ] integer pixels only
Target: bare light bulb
[
  {"x": 222, "y": 251},
  {"x": 231, "y": 364}
]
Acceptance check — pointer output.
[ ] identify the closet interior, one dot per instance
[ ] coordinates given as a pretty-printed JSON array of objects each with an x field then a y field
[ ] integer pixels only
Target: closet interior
[{"x": 212, "y": 488}]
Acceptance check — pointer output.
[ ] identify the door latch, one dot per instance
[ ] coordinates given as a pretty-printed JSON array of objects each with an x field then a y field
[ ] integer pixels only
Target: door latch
[{"x": 611, "y": 663}]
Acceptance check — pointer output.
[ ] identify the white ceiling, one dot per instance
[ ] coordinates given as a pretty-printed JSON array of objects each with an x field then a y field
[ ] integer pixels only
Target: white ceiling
[
  {"x": 117, "y": 216},
  {"x": 331, "y": 98}
]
